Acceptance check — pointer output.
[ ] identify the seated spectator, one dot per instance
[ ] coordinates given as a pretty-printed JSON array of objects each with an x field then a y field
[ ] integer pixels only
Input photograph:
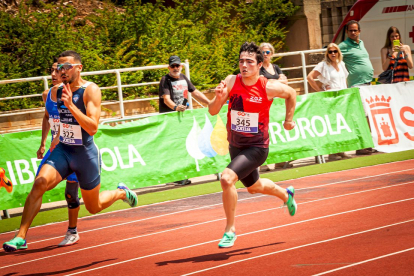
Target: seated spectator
[
  {"x": 401, "y": 54},
  {"x": 271, "y": 71},
  {"x": 332, "y": 74}
]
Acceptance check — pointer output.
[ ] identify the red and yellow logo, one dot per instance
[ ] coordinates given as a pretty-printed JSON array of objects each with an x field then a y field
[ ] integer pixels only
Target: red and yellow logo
[
  {"x": 383, "y": 120},
  {"x": 5, "y": 182}
]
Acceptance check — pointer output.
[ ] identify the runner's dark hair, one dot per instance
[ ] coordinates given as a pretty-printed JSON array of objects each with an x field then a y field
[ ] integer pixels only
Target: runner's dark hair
[
  {"x": 71, "y": 53},
  {"x": 251, "y": 47}
]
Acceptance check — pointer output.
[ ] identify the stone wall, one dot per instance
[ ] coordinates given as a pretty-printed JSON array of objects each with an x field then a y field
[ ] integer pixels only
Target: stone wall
[{"x": 333, "y": 13}]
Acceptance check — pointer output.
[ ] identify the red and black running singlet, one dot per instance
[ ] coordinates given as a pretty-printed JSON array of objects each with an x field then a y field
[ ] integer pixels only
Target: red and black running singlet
[{"x": 248, "y": 114}]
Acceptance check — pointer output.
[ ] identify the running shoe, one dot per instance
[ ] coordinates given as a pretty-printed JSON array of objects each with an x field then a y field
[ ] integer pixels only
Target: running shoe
[
  {"x": 14, "y": 244},
  {"x": 131, "y": 197},
  {"x": 69, "y": 239},
  {"x": 291, "y": 203},
  {"x": 228, "y": 240}
]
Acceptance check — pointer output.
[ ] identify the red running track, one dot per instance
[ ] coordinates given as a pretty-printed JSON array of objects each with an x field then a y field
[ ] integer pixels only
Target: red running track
[{"x": 355, "y": 222}]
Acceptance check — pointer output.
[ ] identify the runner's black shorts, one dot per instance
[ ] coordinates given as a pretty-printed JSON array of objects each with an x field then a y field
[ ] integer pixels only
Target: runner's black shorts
[
  {"x": 246, "y": 161},
  {"x": 84, "y": 161}
]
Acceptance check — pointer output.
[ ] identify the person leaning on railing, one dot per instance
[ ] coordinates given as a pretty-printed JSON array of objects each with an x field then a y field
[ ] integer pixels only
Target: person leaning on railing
[
  {"x": 332, "y": 74},
  {"x": 271, "y": 71},
  {"x": 400, "y": 53},
  {"x": 173, "y": 92}
]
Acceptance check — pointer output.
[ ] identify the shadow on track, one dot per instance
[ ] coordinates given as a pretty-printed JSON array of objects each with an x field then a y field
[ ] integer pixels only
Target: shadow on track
[
  {"x": 216, "y": 256},
  {"x": 67, "y": 270}
]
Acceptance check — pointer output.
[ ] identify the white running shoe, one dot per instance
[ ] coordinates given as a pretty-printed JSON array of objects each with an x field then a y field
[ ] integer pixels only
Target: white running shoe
[{"x": 69, "y": 239}]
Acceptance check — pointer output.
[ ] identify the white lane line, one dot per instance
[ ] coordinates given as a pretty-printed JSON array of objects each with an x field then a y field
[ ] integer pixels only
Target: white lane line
[
  {"x": 208, "y": 206},
  {"x": 288, "y": 249},
  {"x": 205, "y": 222},
  {"x": 168, "y": 201},
  {"x": 366, "y": 261},
  {"x": 116, "y": 211},
  {"x": 297, "y": 247},
  {"x": 144, "y": 219}
]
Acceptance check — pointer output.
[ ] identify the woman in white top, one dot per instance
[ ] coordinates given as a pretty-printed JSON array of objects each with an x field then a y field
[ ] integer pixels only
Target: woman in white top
[{"x": 332, "y": 74}]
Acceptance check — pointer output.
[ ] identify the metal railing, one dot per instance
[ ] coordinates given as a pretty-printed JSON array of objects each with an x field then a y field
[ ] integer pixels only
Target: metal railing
[
  {"x": 303, "y": 67},
  {"x": 119, "y": 86}
]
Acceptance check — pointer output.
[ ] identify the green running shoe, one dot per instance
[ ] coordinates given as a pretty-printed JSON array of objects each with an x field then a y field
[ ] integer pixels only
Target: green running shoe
[
  {"x": 291, "y": 203},
  {"x": 131, "y": 197},
  {"x": 228, "y": 240},
  {"x": 14, "y": 244}
]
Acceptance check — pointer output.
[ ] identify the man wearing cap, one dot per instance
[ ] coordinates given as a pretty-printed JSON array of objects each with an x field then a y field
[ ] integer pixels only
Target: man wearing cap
[{"x": 174, "y": 88}]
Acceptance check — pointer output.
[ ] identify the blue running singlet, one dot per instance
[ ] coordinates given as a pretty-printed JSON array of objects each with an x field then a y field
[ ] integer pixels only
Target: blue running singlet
[
  {"x": 76, "y": 151},
  {"x": 54, "y": 120}
]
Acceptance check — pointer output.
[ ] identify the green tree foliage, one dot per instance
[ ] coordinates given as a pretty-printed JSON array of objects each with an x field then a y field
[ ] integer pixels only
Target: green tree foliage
[{"x": 206, "y": 32}]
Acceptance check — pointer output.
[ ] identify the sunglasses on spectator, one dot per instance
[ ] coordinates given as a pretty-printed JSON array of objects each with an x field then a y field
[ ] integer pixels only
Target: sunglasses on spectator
[
  {"x": 333, "y": 51},
  {"x": 175, "y": 66},
  {"x": 67, "y": 66},
  {"x": 266, "y": 52}
]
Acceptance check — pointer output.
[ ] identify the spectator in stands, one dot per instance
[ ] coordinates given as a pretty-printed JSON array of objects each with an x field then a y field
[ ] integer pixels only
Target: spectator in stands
[
  {"x": 173, "y": 92},
  {"x": 174, "y": 88},
  {"x": 389, "y": 55},
  {"x": 332, "y": 74},
  {"x": 271, "y": 71},
  {"x": 356, "y": 59}
]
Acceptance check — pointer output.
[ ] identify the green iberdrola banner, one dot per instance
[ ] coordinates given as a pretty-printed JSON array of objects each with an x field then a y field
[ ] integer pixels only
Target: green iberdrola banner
[{"x": 176, "y": 146}]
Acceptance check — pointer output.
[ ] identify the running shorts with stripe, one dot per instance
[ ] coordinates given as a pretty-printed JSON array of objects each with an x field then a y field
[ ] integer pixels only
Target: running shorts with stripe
[{"x": 83, "y": 160}]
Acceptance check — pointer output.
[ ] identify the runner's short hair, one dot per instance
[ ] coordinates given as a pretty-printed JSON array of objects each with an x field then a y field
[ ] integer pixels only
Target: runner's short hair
[
  {"x": 71, "y": 53},
  {"x": 251, "y": 47}
]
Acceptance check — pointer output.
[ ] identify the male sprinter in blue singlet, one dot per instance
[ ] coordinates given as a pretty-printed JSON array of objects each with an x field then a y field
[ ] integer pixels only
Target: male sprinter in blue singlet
[
  {"x": 73, "y": 150},
  {"x": 51, "y": 121},
  {"x": 250, "y": 98}
]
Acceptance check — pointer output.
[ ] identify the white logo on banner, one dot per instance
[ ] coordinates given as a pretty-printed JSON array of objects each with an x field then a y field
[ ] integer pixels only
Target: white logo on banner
[
  {"x": 308, "y": 128},
  {"x": 26, "y": 172}
]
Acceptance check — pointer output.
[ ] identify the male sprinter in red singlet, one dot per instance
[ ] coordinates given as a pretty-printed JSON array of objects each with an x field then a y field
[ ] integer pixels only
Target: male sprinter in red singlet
[
  {"x": 251, "y": 96},
  {"x": 73, "y": 149}
]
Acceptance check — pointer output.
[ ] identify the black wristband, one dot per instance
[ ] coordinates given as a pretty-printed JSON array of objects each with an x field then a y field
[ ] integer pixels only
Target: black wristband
[{"x": 175, "y": 107}]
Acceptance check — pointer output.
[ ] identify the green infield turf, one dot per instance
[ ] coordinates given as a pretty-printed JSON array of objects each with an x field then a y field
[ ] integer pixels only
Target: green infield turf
[{"x": 60, "y": 214}]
